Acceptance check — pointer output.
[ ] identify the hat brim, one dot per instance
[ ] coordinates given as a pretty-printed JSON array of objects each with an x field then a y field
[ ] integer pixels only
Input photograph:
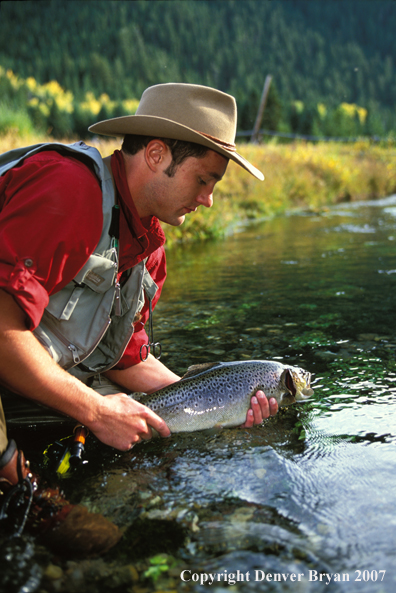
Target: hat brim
[{"x": 159, "y": 127}]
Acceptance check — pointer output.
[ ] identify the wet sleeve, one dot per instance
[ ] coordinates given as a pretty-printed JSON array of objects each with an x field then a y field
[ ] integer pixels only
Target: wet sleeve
[
  {"x": 156, "y": 266},
  {"x": 50, "y": 222}
]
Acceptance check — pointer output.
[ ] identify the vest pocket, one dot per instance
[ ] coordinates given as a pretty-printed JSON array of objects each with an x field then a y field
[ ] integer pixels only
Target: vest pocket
[
  {"x": 98, "y": 275},
  {"x": 99, "y": 272},
  {"x": 55, "y": 345}
]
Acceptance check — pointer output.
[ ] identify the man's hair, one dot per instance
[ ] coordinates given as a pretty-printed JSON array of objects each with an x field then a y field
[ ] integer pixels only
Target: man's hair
[{"x": 180, "y": 149}]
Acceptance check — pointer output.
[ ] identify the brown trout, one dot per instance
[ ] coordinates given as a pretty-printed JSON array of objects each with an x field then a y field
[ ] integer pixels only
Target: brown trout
[{"x": 218, "y": 394}]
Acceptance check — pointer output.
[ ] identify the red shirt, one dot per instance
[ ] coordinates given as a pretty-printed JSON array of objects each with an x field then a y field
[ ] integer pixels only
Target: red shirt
[{"x": 50, "y": 223}]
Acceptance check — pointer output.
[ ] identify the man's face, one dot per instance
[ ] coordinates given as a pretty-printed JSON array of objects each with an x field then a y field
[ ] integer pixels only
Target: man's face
[{"x": 171, "y": 198}]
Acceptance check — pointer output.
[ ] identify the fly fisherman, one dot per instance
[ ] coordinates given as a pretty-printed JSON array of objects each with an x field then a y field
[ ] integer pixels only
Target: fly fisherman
[{"x": 82, "y": 262}]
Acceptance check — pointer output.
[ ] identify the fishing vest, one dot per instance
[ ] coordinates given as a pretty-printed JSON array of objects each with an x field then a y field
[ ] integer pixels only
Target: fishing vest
[{"x": 87, "y": 325}]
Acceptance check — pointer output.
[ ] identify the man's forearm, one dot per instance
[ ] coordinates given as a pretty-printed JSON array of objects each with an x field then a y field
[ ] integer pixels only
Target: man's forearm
[
  {"x": 27, "y": 369},
  {"x": 147, "y": 376}
]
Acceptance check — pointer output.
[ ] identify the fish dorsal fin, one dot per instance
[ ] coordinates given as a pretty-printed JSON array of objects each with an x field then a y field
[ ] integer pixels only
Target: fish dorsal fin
[{"x": 196, "y": 369}]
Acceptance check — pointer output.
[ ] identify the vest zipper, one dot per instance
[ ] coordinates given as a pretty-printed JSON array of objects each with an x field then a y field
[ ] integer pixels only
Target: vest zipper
[
  {"x": 99, "y": 339},
  {"x": 73, "y": 349},
  {"x": 65, "y": 342},
  {"x": 121, "y": 351}
]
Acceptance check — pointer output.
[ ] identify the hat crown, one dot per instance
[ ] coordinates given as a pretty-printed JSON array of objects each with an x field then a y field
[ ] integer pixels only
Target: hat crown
[{"x": 203, "y": 109}]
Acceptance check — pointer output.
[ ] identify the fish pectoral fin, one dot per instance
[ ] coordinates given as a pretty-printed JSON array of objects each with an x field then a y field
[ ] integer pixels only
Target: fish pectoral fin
[{"x": 195, "y": 369}]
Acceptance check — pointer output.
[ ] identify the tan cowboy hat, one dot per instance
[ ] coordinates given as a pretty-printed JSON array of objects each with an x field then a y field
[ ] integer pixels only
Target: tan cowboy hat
[{"x": 187, "y": 112}]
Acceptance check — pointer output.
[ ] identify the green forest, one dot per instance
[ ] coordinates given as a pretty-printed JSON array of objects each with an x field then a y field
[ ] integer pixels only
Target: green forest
[{"x": 333, "y": 62}]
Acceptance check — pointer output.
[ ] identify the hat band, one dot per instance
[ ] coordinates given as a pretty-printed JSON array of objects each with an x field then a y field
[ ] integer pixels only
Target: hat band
[{"x": 226, "y": 145}]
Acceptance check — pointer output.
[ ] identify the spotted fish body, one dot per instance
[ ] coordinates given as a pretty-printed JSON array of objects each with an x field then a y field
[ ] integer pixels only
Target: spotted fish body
[{"x": 219, "y": 394}]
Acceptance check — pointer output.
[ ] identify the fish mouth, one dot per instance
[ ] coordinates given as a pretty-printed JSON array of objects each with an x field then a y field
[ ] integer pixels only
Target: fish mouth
[
  {"x": 290, "y": 383},
  {"x": 297, "y": 382}
]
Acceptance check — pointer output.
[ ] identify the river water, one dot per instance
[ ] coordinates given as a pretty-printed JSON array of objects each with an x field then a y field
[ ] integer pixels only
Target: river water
[{"x": 312, "y": 491}]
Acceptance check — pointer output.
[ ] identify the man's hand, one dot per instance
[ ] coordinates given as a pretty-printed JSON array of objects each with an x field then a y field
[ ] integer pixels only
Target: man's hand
[
  {"x": 260, "y": 410},
  {"x": 123, "y": 422}
]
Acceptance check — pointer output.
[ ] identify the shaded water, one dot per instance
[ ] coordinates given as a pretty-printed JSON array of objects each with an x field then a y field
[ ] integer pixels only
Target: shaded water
[{"x": 312, "y": 490}]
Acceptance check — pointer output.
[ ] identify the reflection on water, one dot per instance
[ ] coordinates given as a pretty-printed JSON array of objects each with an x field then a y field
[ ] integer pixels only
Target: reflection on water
[{"x": 313, "y": 490}]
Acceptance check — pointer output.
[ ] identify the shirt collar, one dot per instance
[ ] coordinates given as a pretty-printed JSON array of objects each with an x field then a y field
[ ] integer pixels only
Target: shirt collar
[{"x": 138, "y": 237}]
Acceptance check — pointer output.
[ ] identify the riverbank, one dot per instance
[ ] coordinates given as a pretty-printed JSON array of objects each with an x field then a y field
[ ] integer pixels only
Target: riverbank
[{"x": 299, "y": 175}]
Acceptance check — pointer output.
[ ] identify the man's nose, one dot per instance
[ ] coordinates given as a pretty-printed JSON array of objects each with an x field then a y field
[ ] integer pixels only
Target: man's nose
[{"x": 206, "y": 199}]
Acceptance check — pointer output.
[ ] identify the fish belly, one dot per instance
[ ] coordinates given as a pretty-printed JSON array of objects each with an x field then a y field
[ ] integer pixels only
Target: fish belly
[
  {"x": 199, "y": 405},
  {"x": 189, "y": 416}
]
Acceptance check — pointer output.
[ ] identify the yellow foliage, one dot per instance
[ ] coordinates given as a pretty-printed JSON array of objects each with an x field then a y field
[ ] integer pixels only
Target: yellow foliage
[
  {"x": 15, "y": 81},
  {"x": 322, "y": 110},
  {"x": 130, "y": 105},
  {"x": 362, "y": 114},
  {"x": 299, "y": 105},
  {"x": 351, "y": 110},
  {"x": 93, "y": 105},
  {"x": 42, "y": 96},
  {"x": 31, "y": 84},
  {"x": 52, "y": 91}
]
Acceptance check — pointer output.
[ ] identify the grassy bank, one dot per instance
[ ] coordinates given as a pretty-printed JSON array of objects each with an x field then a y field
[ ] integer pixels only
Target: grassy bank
[{"x": 297, "y": 176}]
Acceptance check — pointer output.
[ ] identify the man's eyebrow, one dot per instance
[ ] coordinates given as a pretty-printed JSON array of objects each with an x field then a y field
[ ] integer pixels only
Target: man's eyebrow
[{"x": 216, "y": 176}]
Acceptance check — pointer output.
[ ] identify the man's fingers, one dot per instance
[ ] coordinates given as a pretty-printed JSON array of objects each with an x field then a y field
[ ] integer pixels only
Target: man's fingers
[
  {"x": 263, "y": 405},
  {"x": 256, "y": 406},
  {"x": 147, "y": 435},
  {"x": 158, "y": 424},
  {"x": 273, "y": 406},
  {"x": 261, "y": 409},
  {"x": 249, "y": 419}
]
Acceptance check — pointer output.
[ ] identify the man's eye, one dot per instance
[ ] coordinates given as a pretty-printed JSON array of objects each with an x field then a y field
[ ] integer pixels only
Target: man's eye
[{"x": 201, "y": 181}]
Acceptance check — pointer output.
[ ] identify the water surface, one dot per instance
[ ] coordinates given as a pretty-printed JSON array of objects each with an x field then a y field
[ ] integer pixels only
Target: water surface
[{"x": 312, "y": 490}]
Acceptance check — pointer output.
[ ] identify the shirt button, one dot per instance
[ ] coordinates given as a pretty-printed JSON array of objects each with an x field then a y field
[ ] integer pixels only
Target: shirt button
[{"x": 28, "y": 263}]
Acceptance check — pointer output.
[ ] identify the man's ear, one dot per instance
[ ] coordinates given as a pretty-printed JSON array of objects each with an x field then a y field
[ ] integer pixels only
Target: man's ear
[{"x": 155, "y": 154}]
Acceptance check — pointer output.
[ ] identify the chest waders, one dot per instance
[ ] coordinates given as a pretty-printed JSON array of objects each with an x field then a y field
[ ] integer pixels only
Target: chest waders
[{"x": 87, "y": 325}]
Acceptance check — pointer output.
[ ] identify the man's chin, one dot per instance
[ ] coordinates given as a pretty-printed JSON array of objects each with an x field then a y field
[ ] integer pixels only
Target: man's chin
[{"x": 177, "y": 221}]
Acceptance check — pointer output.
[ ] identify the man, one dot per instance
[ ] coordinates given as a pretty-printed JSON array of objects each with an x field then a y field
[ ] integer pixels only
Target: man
[{"x": 82, "y": 258}]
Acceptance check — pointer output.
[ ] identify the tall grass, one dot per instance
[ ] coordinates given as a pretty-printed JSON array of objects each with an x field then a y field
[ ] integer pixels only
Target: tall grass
[{"x": 300, "y": 175}]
